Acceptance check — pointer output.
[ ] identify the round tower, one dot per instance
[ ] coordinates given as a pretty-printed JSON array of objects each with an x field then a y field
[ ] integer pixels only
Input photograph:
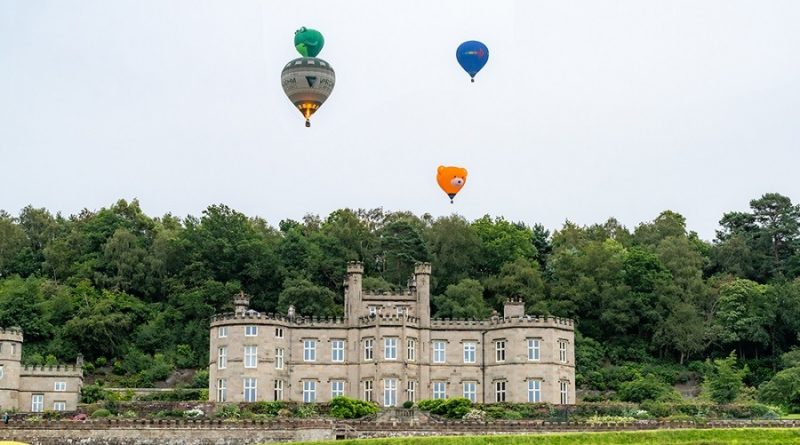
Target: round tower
[{"x": 10, "y": 367}]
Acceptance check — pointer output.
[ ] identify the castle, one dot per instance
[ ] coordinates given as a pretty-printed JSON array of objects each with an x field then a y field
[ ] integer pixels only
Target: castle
[
  {"x": 35, "y": 388},
  {"x": 388, "y": 350}
]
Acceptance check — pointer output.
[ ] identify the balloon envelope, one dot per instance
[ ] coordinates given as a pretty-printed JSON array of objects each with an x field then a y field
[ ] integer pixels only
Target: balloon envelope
[
  {"x": 308, "y": 82},
  {"x": 308, "y": 42},
  {"x": 472, "y": 56},
  {"x": 451, "y": 179}
]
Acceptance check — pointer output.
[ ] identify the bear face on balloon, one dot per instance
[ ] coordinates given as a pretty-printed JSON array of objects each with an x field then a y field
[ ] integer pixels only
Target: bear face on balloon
[{"x": 451, "y": 179}]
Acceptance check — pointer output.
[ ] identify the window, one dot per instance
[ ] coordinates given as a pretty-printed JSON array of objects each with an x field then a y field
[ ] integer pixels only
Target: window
[
  {"x": 534, "y": 391},
  {"x": 309, "y": 391},
  {"x": 13, "y": 348},
  {"x": 222, "y": 390},
  {"x": 373, "y": 310},
  {"x": 250, "y": 386},
  {"x": 59, "y": 405},
  {"x": 337, "y": 350},
  {"x": 500, "y": 350},
  {"x": 309, "y": 350},
  {"x": 2, "y": 372},
  {"x": 60, "y": 387},
  {"x": 500, "y": 391},
  {"x": 470, "y": 391},
  {"x": 562, "y": 351},
  {"x": 279, "y": 358},
  {"x": 250, "y": 359},
  {"x": 368, "y": 349},
  {"x": 250, "y": 331},
  {"x": 278, "y": 332},
  {"x": 278, "y": 390},
  {"x": 439, "y": 390},
  {"x": 438, "y": 351},
  {"x": 389, "y": 392},
  {"x": 337, "y": 388},
  {"x": 222, "y": 357},
  {"x": 564, "y": 392},
  {"x": 411, "y": 391},
  {"x": 37, "y": 403},
  {"x": 222, "y": 332},
  {"x": 469, "y": 352},
  {"x": 533, "y": 349},
  {"x": 368, "y": 390},
  {"x": 411, "y": 353},
  {"x": 401, "y": 310},
  {"x": 390, "y": 348}
]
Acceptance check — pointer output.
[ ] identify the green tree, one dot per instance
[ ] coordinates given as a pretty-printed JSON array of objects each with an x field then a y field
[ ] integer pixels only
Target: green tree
[
  {"x": 724, "y": 383},
  {"x": 308, "y": 299},
  {"x": 463, "y": 300}
]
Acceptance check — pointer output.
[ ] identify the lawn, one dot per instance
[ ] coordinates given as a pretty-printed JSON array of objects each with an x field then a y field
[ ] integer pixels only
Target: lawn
[{"x": 740, "y": 436}]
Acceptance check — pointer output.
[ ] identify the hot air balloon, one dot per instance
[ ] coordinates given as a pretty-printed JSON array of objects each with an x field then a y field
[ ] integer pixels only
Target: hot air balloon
[
  {"x": 472, "y": 56},
  {"x": 308, "y": 81},
  {"x": 451, "y": 179}
]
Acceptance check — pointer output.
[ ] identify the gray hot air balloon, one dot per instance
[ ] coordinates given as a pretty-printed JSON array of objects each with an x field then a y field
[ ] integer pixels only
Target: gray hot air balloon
[{"x": 308, "y": 81}]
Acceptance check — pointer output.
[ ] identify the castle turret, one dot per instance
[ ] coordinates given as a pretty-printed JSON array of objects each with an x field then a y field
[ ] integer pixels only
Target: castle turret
[
  {"x": 241, "y": 302},
  {"x": 514, "y": 307},
  {"x": 352, "y": 291},
  {"x": 10, "y": 358},
  {"x": 422, "y": 284}
]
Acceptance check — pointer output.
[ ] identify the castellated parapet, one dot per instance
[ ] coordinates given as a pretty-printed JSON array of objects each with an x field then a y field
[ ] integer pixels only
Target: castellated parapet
[
  {"x": 35, "y": 388},
  {"x": 387, "y": 349}
]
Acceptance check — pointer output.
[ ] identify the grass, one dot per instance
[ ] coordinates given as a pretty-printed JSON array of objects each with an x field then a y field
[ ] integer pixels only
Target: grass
[
  {"x": 791, "y": 417},
  {"x": 738, "y": 436}
]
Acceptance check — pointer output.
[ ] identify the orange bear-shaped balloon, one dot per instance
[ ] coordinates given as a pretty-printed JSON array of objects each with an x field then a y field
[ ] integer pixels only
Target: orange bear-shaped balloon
[{"x": 451, "y": 179}]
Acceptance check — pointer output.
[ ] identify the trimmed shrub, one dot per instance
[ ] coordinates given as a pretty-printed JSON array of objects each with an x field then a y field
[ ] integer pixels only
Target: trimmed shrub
[
  {"x": 347, "y": 408},
  {"x": 102, "y": 412},
  {"x": 645, "y": 388},
  {"x": 408, "y": 404}
]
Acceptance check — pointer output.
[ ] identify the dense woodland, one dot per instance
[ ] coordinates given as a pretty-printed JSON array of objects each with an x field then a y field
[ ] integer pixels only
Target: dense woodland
[{"x": 136, "y": 291}]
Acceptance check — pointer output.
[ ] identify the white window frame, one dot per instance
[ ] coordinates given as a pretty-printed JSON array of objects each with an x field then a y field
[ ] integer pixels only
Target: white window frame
[
  {"x": 60, "y": 405},
  {"x": 564, "y": 387},
  {"x": 250, "y": 389},
  {"x": 534, "y": 350},
  {"x": 534, "y": 391},
  {"x": 390, "y": 348},
  {"x": 279, "y": 358},
  {"x": 470, "y": 352},
  {"x": 562, "y": 351},
  {"x": 2, "y": 372},
  {"x": 411, "y": 349},
  {"x": 277, "y": 390},
  {"x": 222, "y": 332},
  {"x": 337, "y": 351},
  {"x": 337, "y": 388},
  {"x": 251, "y": 331},
  {"x": 369, "y": 387},
  {"x": 389, "y": 392},
  {"x": 309, "y": 350},
  {"x": 37, "y": 403},
  {"x": 369, "y": 349},
  {"x": 60, "y": 386},
  {"x": 470, "y": 391},
  {"x": 500, "y": 391},
  {"x": 439, "y": 351},
  {"x": 222, "y": 357},
  {"x": 222, "y": 390},
  {"x": 439, "y": 390},
  {"x": 411, "y": 391},
  {"x": 309, "y": 391},
  {"x": 278, "y": 332},
  {"x": 500, "y": 351},
  {"x": 251, "y": 356}
]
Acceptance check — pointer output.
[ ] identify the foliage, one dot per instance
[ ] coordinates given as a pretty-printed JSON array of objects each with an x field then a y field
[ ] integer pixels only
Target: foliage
[
  {"x": 649, "y": 387},
  {"x": 724, "y": 382},
  {"x": 101, "y": 412},
  {"x": 347, "y": 408},
  {"x": 783, "y": 389}
]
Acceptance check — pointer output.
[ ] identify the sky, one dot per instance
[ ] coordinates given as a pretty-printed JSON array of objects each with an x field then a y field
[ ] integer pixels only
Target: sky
[{"x": 585, "y": 110}]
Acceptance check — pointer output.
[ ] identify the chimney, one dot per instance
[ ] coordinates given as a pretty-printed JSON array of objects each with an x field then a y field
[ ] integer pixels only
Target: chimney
[
  {"x": 514, "y": 307},
  {"x": 241, "y": 302}
]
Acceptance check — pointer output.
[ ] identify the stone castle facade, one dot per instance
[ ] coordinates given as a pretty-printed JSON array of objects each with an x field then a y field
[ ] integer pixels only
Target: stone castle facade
[
  {"x": 388, "y": 350},
  {"x": 35, "y": 388}
]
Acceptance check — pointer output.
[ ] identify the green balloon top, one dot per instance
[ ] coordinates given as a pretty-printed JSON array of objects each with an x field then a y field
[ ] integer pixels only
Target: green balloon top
[{"x": 308, "y": 42}]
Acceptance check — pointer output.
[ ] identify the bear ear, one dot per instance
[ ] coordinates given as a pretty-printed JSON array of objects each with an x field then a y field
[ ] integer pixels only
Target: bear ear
[{"x": 441, "y": 167}]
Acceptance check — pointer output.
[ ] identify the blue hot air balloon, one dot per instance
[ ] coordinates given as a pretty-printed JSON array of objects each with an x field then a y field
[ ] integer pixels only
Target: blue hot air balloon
[{"x": 472, "y": 56}]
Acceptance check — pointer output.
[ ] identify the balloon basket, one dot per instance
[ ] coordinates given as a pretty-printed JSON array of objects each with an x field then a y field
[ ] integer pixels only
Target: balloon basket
[{"x": 308, "y": 123}]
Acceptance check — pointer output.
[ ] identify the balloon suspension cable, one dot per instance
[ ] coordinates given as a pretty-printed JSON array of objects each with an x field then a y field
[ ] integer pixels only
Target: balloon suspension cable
[
  {"x": 451, "y": 200},
  {"x": 308, "y": 123}
]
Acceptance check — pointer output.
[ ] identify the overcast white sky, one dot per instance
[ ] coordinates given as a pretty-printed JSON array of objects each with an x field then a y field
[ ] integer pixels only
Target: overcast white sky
[{"x": 585, "y": 110}]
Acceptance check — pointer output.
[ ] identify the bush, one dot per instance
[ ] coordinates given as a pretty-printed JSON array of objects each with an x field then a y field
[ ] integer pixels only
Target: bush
[
  {"x": 177, "y": 395},
  {"x": 93, "y": 394},
  {"x": 304, "y": 411},
  {"x": 724, "y": 383},
  {"x": 645, "y": 388},
  {"x": 101, "y": 412},
  {"x": 450, "y": 408},
  {"x": 267, "y": 408},
  {"x": 408, "y": 404},
  {"x": 228, "y": 411},
  {"x": 783, "y": 390},
  {"x": 200, "y": 379},
  {"x": 429, "y": 404},
  {"x": 101, "y": 361},
  {"x": 347, "y": 408}
]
